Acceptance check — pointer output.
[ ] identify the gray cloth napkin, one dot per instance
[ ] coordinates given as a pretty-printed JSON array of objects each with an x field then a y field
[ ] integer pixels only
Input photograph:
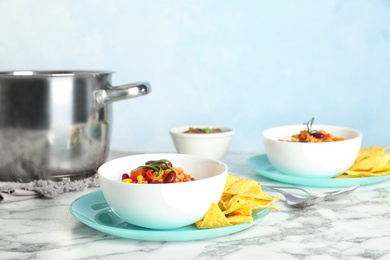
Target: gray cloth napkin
[{"x": 14, "y": 191}]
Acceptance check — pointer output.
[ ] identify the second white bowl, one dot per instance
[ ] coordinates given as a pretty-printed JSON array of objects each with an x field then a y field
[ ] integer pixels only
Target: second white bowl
[
  {"x": 213, "y": 145},
  {"x": 317, "y": 160}
]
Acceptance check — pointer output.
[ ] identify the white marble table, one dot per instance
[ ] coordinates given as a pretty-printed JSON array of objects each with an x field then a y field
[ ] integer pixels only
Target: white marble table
[{"x": 356, "y": 226}]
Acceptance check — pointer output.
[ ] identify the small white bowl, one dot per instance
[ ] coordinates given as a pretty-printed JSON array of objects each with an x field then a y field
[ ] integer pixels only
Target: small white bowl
[
  {"x": 316, "y": 160},
  {"x": 167, "y": 205},
  {"x": 213, "y": 145}
]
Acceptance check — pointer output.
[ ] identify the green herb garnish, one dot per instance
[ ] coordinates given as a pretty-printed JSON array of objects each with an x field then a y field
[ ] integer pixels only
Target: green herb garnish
[
  {"x": 309, "y": 125},
  {"x": 157, "y": 166}
]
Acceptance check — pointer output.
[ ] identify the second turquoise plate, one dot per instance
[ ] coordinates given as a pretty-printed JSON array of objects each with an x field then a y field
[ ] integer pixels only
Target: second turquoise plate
[{"x": 263, "y": 167}]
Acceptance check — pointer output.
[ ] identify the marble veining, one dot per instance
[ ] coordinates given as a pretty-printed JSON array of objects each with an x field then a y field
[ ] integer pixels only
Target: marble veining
[{"x": 356, "y": 226}]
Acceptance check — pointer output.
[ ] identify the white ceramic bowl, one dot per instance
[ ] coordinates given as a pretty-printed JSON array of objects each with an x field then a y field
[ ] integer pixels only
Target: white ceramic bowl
[
  {"x": 167, "y": 205},
  {"x": 213, "y": 146},
  {"x": 317, "y": 160}
]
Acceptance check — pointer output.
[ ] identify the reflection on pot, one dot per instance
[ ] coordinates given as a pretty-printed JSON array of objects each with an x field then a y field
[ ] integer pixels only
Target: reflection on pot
[{"x": 53, "y": 154}]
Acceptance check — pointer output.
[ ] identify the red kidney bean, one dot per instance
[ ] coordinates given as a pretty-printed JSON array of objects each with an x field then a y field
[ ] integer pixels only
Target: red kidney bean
[
  {"x": 170, "y": 178},
  {"x": 149, "y": 162},
  {"x": 125, "y": 176},
  {"x": 317, "y": 134}
]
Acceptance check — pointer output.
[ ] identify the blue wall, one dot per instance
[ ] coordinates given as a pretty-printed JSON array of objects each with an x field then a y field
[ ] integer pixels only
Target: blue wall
[{"x": 249, "y": 65}]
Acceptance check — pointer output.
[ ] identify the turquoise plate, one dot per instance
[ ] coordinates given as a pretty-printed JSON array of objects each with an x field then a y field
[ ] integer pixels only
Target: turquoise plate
[
  {"x": 92, "y": 210},
  {"x": 263, "y": 167}
]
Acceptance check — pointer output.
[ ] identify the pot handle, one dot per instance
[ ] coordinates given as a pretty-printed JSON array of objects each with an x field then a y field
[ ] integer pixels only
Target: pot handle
[{"x": 106, "y": 96}]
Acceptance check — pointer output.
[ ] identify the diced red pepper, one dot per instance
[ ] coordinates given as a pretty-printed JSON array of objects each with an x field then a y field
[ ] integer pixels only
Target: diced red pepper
[
  {"x": 149, "y": 175},
  {"x": 134, "y": 174}
]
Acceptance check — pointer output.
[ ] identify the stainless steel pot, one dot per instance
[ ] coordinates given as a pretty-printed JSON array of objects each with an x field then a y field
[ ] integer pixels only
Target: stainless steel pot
[{"x": 56, "y": 124}]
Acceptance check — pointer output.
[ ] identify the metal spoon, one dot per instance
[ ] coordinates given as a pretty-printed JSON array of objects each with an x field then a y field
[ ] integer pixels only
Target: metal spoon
[{"x": 299, "y": 202}]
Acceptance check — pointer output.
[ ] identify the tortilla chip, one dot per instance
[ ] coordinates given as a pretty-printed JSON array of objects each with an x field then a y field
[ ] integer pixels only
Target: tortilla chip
[
  {"x": 373, "y": 163},
  {"x": 239, "y": 219},
  {"x": 247, "y": 211},
  {"x": 370, "y": 151},
  {"x": 214, "y": 218},
  {"x": 230, "y": 180},
  {"x": 241, "y": 185},
  {"x": 238, "y": 201}
]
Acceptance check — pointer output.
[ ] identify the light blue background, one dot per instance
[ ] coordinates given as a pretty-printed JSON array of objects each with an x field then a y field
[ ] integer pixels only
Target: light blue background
[{"x": 249, "y": 65}]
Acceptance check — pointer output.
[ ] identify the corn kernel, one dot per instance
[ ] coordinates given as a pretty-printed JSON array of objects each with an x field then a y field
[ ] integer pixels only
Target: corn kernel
[
  {"x": 128, "y": 180},
  {"x": 140, "y": 178}
]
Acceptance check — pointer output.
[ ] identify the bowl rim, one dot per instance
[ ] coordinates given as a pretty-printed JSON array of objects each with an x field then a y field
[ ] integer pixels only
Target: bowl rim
[
  {"x": 225, "y": 171},
  {"x": 358, "y": 133},
  {"x": 179, "y": 131}
]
